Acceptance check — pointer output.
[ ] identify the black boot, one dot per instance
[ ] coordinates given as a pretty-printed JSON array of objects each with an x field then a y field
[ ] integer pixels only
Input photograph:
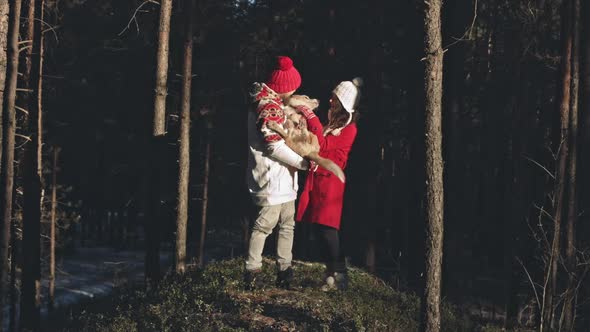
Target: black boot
[
  {"x": 341, "y": 280},
  {"x": 253, "y": 280},
  {"x": 285, "y": 278}
]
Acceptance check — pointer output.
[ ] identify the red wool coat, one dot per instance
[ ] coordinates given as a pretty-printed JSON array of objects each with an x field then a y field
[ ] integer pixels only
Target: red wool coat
[{"x": 323, "y": 194}]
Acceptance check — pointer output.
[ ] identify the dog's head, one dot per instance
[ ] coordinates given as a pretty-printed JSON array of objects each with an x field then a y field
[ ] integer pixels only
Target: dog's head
[{"x": 302, "y": 100}]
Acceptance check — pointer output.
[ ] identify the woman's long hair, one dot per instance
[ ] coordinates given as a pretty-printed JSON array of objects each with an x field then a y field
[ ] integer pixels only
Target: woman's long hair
[{"x": 340, "y": 116}]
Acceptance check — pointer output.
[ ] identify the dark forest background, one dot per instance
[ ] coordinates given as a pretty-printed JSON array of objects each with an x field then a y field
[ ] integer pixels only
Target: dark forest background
[{"x": 501, "y": 133}]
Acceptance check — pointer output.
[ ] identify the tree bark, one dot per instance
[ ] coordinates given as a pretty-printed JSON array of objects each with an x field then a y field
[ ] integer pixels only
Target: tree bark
[
  {"x": 205, "y": 194},
  {"x": 4, "y": 14},
  {"x": 14, "y": 278},
  {"x": 52, "y": 229},
  {"x": 433, "y": 77},
  {"x": 569, "y": 308},
  {"x": 184, "y": 142},
  {"x": 31, "y": 278},
  {"x": 547, "y": 313},
  {"x": 152, "y": 262},
  {"x": 162, "y": 69},
  {"x": 9, "y": 129}
]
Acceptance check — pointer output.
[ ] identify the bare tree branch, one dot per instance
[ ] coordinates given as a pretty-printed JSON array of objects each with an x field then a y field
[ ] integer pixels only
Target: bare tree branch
[
  {"x": 467, "y": 32},
  {"x": 541, "y": 166},
  {"x": 134, "y": 17},
  {"x": 531, "y": 281}
]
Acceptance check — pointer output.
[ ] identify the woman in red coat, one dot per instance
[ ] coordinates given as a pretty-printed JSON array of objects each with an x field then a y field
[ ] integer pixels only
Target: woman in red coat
[{"x": 323, "y": 194}]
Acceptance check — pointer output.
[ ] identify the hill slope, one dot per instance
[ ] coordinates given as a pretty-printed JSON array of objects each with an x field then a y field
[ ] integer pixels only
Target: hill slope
[{"x": 214, "y": 300}]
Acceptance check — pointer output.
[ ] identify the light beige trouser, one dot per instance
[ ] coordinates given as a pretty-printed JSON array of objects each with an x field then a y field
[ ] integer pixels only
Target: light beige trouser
[{"x": 266, "y": 220}]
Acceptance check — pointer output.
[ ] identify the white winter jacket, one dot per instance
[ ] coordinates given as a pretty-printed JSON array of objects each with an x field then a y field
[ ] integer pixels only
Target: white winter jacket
[{"x": 272, "y": 166}]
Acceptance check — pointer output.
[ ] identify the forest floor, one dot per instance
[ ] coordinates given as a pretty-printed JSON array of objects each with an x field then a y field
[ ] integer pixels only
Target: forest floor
[
  {"x": 90, "y": 273},
  {"x": 100, "y": 288},
  {"x": 214, "y": 299}
]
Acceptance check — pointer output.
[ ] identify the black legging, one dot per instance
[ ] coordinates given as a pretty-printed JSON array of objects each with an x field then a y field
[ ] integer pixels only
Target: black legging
[{"x": 330, "y": 251}]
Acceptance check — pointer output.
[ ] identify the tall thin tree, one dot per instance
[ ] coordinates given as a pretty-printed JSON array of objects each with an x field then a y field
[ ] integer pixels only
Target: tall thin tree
[
  {"x": 433, "y": 78},
  {"x": 9, "y": 130},
  {"x": 152, "y": 261},
  {"x": 184, "y": 141},
  {"x": 4, "y": 10},
  {"x": 550, "y": 283},
  {"x": 52, "y": 225},
  {"x": 33, "y": 184},
  {"x": 569, "y": 306},
  {"x": 22, "y": 122},
  {"x": 205, "y": 199}
]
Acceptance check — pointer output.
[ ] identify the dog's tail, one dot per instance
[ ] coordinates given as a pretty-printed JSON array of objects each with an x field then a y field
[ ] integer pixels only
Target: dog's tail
[{"x": 329, "y": 165}]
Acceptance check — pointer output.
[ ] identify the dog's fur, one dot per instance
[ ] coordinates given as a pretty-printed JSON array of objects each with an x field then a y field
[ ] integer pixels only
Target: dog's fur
[{"x": 299, "y": 139}]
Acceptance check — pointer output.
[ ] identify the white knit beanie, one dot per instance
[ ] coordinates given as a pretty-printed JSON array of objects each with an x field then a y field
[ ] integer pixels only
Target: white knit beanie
[{"x": 348, "y": 93}]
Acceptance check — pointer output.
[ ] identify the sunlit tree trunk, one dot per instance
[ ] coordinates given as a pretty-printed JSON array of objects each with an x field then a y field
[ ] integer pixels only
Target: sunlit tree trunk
[
  {"x": 433, "y": 78},
  {"x": 184, "y": 142},
  {"x": 550, "y": 283},
  {"x": 152, "y": 261},
  {"x": 4, "y": 13},
  {"x": 9, "y": 129},
  {"x": 569, "y": 307},
  {"x": 32, "y": 185}
]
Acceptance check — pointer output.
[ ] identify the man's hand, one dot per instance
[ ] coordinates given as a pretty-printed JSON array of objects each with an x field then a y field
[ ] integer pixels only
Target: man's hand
[{"x": 306, "y": 112}]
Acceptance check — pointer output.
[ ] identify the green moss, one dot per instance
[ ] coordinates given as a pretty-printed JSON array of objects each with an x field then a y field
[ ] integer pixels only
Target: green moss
[{"x": 214, "y": 300}]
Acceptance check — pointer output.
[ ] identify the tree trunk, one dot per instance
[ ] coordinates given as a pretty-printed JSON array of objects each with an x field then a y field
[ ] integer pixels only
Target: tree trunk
[
  {"x": 569, "y": 307},
  {"x": 162, "y": 69},
  {"x": 4, "y": 14},
  {"x": 9, "y": 129},
  {"x": 52, "y": 229},
  {"x": 31, "y": 278},
  {"x": 152, "y": 262},
  {"x": 433, "y": 77},
  {"x": 584, "y": 193},
  {"x": 184, "y": 142},
  {"x": 205, "y": 194},
  {"x": 547, "y": 311},
  {"x": 14, "y": 281}
]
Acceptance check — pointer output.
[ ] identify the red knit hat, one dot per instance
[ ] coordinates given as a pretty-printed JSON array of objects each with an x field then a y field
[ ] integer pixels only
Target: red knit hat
[{"x": 285, "y": 77}]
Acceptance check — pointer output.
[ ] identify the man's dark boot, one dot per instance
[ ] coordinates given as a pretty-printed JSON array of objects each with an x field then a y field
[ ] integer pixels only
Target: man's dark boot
[
  {"x": 341, "y": 280},
  {"x": 285, "y": 278},
  {"x": 253, "y": 280}
]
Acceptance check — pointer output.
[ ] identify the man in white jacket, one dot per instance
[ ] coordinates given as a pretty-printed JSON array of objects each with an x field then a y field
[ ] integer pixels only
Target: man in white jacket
[{"x": 272, "y": 173}]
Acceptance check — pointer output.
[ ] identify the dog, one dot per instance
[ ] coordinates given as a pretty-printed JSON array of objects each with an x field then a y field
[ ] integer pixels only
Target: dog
[{"x": 299, "y": 139}]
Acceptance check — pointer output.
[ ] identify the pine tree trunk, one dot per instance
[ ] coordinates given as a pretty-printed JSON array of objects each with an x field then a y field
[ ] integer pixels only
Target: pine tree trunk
[
  {"x": 433, "y": 77},
  {"x": 547, "y": 313},
  {"x": 9, "y": 129},
  {"x": 152, "y": 262},
  {"x": 184, "y": 142},
  {"x": 584, "y": 193},
  {"x": 205, "y": 201},
  {"x": 52, "y": 229},
  {"x": 569, "y": 308},
  {"x": 4, "y": 14},
  {"x": 162, "y": 69},
  {"x": 31, "y": 277},
  {"x": 14, "y": 281}
]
